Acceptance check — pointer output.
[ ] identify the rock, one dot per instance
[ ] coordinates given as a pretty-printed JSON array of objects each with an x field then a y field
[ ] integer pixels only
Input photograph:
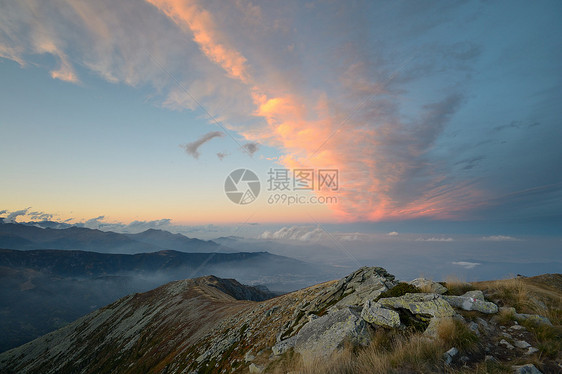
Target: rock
[
  {"x": 324, "y": 335},
  {"x": 517, "y": 327},
  {"x": 429, "y": 285},
  {"x": 375, "y": 314},
  {"x": 526, "y": 369},
  {"x": 531, "y": 350},
  {"x": 422, "y": 304},
  {"x": 249, "y": 357},
  {"x": 284, "y": 345},
  {"x": 448, "y": 356},
  {"x": 364, "y": 284},
  {"x": 535, "y": 318},
  {"x": 473, "y": 326},
  {"x": 490, "y": 358},
  {"x": 476, "y": 294},
  {"x": 255, "y": 368},
  {"x": 521, "y": 344},
  {"x": 506, "y": 344},
  {"x": 471, "y": 303}
]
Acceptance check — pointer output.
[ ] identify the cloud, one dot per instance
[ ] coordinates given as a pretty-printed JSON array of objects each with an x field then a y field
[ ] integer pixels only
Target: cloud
[
  {"x": 381, "y": 110},
  {"x": 392, "y": 233},
  {"x": 466, "y": 264},
  {"x": 193, "y": 148},
  {"x": 221, "y": 155},
  {"x": 300, "y": 233},
  {"x": 12, "y": 216},
  {"x": 500, "y": 238},
  {"x": 435, "y": 239},
  {"x": 251, "y": 148}
]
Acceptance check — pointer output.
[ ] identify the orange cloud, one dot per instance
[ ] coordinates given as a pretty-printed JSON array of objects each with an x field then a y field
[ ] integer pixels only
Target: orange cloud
[
  {"x": 187, "y": 14},
  {"x": 315, "y": 133}
]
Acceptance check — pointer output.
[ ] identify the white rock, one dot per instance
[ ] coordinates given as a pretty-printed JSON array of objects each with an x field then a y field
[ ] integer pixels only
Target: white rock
[
  {"x": 521, "y": 344},
  {"x": 506, "y": 343}
]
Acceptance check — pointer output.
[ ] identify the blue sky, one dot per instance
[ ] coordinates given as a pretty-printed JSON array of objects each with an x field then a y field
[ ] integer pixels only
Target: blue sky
[{"x": 436, "y": 114}]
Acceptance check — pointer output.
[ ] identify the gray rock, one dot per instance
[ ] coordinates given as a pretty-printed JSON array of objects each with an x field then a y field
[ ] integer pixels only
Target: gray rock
[
  {"x": 375, "y": 314},
  {"x": 429, "y": 285},
  {"x": 491, "y": 358},
  {"x": 521, "y": 344},
  {"x": 284, "y": 345},
  {"x": 470, "y": 303},
  {"x": 535, "y": 318},
  {"x": 476, "y": 294},
  {"x": 423, "y": 304},
  {"x": 249, "y": 357},
  {"x": 506, "y": 344},
  {"x": 448, "y": 356},
  {"x": 517, "y": 327},
  {"x": 531, "y": 350},
  {"x": 473, "y": 326},
  {"x": 255, "y": 368},
  {"x": 328, "y": 333},
  {"x": 526, "y": 369}
]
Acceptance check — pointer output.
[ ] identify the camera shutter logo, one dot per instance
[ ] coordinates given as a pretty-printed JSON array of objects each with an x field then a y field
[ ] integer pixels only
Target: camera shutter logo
[{"x": 242, "y": 186}]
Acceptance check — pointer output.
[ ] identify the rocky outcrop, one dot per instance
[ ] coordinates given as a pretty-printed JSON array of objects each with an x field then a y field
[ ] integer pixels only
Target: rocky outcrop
[
  {"x": 367, "y": 283},
  {"x": 425, "y": 305},
  {"x": 375, "y": 314},
  {"x": 429, "y": 285},
  {"x": 472, "y": 300},
  {"x": 322, "y": 336}
]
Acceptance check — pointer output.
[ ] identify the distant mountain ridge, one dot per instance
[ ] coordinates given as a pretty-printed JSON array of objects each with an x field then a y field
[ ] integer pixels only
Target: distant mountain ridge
[{"x": 50, "y": 236}]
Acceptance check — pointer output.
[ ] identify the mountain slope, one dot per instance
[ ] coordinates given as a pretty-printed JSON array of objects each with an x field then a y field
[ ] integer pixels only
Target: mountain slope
[
  {"x": 203, "y": 325},
  {"x": 42, "y": 290}
]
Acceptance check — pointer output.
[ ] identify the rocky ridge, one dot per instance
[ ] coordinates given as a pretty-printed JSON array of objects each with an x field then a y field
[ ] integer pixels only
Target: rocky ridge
[{"x": 205, "y": 325}]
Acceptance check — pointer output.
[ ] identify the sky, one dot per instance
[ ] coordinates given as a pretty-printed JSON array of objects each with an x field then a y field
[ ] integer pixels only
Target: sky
[{"x": 436, "y": 115}]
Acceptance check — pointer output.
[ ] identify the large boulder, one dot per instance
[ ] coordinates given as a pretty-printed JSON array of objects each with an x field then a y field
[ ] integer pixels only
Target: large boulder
[
  {"x": 322, "y": 336},
  {"x": 375, "y": 314},
  {"x": 425, "y": 305},
  {"x": 429, "y": 285},
  {"x": 472, "y": 300},
  {"x": 367, "y": 283}
]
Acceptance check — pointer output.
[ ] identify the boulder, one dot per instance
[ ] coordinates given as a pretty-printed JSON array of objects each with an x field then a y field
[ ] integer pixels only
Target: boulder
[
  {"x": 471, "y": 303},
  {"x": 364, "y": 284},
  {"x": 422, "y": 304},
  {"x": 429, "y": 285},
  {"x": 375, "y": 314},
  {"x": 324, "y": 335}
]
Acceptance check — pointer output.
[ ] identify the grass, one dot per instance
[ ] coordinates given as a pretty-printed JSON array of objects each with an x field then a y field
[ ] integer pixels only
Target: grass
[
  {"x": 389, "y": 352},
  {"x": 456, "y": 286},
  {"x": 399, "y": 290}
]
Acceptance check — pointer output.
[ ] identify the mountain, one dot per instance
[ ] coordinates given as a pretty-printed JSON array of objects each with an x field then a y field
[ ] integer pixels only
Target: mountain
[
  {"x": 208, "y": 325},
  {"x": 176, "y": 242},
  {"x": 38, "y": 236},
  {"x": 43, "y": 290}
]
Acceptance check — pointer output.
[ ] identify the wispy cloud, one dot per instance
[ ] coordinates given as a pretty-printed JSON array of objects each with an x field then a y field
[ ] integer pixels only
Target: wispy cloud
[
  {"x": 392, "y": 233},
  {"x": 466, "y": 264},
  {"x": 500, "y": 238},
  {"x": 192, "y": 148},
  {"x": 435, "y": 239}
]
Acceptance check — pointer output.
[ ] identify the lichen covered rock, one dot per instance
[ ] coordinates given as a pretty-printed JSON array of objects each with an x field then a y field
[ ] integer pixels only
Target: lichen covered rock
[
  {"x": 375, "y": 314},
  {"x": 471, "y": 303},
  {"x": 324, "y": 335},
  {"x": 422, "y": 304}
]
